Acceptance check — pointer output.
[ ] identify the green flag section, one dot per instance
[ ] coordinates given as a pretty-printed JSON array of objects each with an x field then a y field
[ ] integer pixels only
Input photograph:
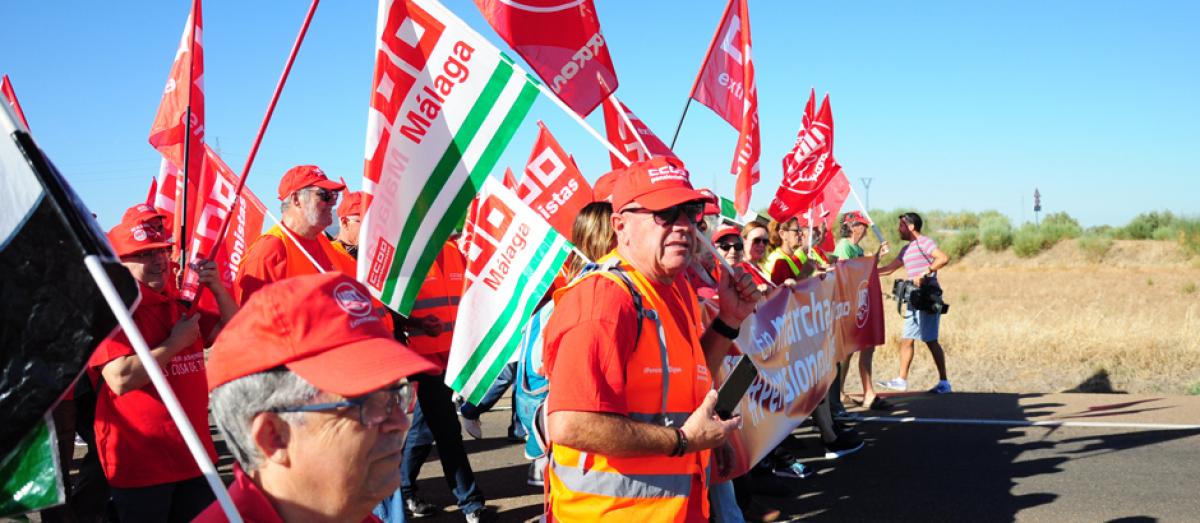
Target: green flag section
[
  {"x": 513, "y": 255},
  {"x": 30, "y": 474},
  {"x": 444, "y": 105},
  {"x": 728, "y": 211}
]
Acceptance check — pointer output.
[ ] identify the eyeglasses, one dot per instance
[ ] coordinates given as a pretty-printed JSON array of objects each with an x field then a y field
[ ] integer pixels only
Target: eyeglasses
[
  {"x": 373, "y": 409},
  {"x": 668, "y": 216},
  {"x": 739, "y": 246},
  {"x": 797, "y": 229},
  {"x": 324, "y": 194},
  {"x": 760, "y": 241}
]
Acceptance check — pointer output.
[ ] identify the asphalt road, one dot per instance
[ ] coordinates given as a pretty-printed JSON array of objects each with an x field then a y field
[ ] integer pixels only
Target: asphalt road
[
  {"x": 954, "y": 470},
  {"x": 957, "y": 457}
]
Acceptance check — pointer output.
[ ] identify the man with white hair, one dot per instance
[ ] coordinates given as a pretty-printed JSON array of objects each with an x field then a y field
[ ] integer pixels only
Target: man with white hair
[
  {"x": 298, "y": 246},
  {"x": 309, "y": 392}
]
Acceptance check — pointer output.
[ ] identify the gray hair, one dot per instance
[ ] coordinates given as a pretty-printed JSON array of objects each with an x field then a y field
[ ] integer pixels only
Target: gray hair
[{"x": 235, "y": 404}]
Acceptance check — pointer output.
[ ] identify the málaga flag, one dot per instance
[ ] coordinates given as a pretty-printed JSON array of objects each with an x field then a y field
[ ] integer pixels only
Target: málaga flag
[
  {"x": 444, "y": 104},
  {"x": 513, "y": 255}
]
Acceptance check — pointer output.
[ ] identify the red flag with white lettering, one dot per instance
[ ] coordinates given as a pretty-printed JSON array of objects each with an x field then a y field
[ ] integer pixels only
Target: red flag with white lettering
[
  {"x": 561, "y": 40},
  {"x": 726, "y": 85},
  {"x": 808, "y": 167},
  {"x": 829, "y": 204},
  {"x": 552, "y": 186},
  {"x": 184, "y": 89},
  {"x": 10, "y": 94},
  {"x": 510, "y": 181},
  {"x": 630, "y": 134},
  {"x": 210, "y": 209}
]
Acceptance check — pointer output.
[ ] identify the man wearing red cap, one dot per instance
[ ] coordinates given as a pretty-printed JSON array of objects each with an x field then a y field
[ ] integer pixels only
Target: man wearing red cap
[
  {"x": 350, "y": 213},
  {"x": 146, "y": 214},
  {"x": 309, "y": 391},
  {"x": 628, "y": 442},
  {"x": 298, "y": 246},
  {"x": 143, "y": 454}
]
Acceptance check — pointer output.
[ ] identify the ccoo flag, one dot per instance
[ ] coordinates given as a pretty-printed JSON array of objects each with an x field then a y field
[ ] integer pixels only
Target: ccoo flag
[
  {"x": 630, "y": 134},
  {"x": 552, "y": 185},
  {"x": 512, "y": 258},
  {"x": 726, "y": 85},
  {"x": 444, "y": 105},
  {"x": 808, "y": 167}
]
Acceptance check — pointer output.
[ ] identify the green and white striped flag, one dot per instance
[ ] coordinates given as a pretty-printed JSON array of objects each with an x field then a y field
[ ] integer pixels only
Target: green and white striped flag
[
  {"x": 728, "y": 211},
  {"x": 444, "y": 105},
  {"x": 513, "y": 255}
]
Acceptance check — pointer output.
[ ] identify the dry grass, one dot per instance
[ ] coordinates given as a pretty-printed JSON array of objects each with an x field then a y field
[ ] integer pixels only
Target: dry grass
[{"x": 1055, "y": 321}]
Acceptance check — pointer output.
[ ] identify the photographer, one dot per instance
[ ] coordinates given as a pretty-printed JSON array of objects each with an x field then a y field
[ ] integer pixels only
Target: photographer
[{"x": 921, "y": 259}]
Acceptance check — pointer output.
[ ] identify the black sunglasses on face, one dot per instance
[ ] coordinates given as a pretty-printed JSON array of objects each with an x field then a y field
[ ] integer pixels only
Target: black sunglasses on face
[
  {"x": 325, "y": 195},
  {"x": 760, "y": 241},
  {"x": 668, "y": 216},
  {"x": 739, "y": 246}
]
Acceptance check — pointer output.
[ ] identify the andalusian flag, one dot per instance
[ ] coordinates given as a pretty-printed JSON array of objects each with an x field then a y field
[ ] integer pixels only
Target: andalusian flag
[
  {"x": 444, "y": 104},
  {"x": 513, "y": 255},
  {"x": 728, "y": 211}
]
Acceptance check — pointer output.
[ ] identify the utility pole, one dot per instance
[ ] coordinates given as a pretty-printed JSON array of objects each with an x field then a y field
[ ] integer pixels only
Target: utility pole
[
  {"x": 867, "y": 186},
  {"x": 1037, "y": 206}
]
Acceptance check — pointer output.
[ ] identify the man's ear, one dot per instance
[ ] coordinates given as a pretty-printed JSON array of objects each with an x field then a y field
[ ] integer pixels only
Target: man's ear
[{"x": 271, "y": 435}]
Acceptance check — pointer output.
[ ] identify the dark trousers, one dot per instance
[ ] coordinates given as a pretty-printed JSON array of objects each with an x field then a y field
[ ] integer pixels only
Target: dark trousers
[
  {"x": 503, "y": 381},
  {"x": 180, "y": 501},
  {"x": 435, "y": 420}
]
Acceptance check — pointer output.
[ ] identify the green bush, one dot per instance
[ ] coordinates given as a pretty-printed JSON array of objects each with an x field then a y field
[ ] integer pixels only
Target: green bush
[
  {"x": 1188, "y": 231},
  {"x": 959, "y": 244},
  {"x": 1060, "y": 226},
  {"x": 996, "y": 233},
  {"x": 1094, "y": 246},
  {"x": 1142, "y": 226},
  {"x": 1029, "y": 240}
]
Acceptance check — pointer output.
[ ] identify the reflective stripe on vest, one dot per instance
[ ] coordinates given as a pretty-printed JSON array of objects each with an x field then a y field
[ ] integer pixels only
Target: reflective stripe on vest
[
  {"x": 439, "y": 297},
  {"x": 663, "y": 387},
  {"x": 778, "y": 254},
  {"x": 298, "y": 263}
]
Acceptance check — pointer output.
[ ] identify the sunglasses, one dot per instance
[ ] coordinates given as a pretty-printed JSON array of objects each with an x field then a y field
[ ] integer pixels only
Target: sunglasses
[
  {"x": 760, "y": 241},
  {"x": 670, "y": 215},
  {"x": 325, "y": 195},
  {"x": 739, "y": 246}
]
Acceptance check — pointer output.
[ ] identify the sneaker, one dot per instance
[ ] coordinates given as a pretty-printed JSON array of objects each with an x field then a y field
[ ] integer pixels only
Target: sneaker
[
  {"x": 534, "y": 477},
  {"x": 79, "y": 441},
  {"x": 895, "y": 384},
  {"x": 847, "y": 443},
  {"x": 943, "y": 387},
  {"x": 419, "y": 508},
  {"x": 793, "y": 470},
  {"x": 480, "y": 514},
  {"x": 473, "y": 427}
]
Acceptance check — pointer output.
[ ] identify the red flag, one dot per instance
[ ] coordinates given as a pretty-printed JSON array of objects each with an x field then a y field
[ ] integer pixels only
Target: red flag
[
  {"x": 561, "y": 40},
  {"x": 630, "y": 134},
  {"x": 510, "y": 181},
  {"x": 185, "y": 87},
  {"x": 9, "y": 94},
  {"x": 153, "y": 193},
  {"x": 726, "y": 85},
  {"x": 211, "y": 208},
  {"x": 164, "y": 196},
  {"x": 808, "y": 167},
  {"x": 829, "y": 204},
  {"x": 552, "y": 185}
]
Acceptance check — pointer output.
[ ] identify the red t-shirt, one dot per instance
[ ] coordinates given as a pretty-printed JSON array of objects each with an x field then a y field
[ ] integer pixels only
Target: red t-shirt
[
  {"x": 595, "y": 325},
  {"x": 266, "y": 262},
  {"x": 251, "y": 503},
  {"x": 782, "y": 271},
  {"x": 138, "y": 443}
]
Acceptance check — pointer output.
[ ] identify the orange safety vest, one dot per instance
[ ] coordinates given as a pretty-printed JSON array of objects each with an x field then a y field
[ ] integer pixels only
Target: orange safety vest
[
  {"x": 586, "y": 486},
  {"x": 298, "y": 263},
  {"x": 439, "y": 296}
]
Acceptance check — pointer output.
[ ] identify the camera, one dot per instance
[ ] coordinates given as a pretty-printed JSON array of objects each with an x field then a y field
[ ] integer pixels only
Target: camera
[{"x": 925, "y": 298}]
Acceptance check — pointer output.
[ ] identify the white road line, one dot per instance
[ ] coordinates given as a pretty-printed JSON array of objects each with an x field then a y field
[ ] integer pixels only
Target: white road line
[{"x": 1021, "y": 423}]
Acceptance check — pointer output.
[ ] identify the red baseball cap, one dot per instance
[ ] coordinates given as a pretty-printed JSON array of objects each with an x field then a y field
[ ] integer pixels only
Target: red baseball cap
[
  {"x": 323, "y": 327},
  {"x": 140, "y": 213},
  {"x": 656, "y": 184},
  {"x": 602, "y": 190},
  {"x": 353, "y": 204},
  {"x": 855, "y": 217},
  {"x": 712, "y": 204},
  {"x": 302, "y": 176},
  {"x": 726, "y": 231},
  {"x": 132, "y": 237}
]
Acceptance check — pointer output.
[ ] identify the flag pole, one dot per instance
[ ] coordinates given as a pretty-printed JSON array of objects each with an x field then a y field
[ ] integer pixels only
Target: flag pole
[
  {"x": 867, "y": 213},
  {"x": 169, "y": 399},
  {"x": 182, "y": 218},
  {"x": 696, "y": 82},
  {"x": 262, "y": 129},
  {"x": 578, "y": 119}
]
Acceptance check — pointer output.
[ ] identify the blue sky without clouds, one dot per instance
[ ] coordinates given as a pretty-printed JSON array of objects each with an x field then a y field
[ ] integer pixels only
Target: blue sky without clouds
[{"x": 951, "y": 105}]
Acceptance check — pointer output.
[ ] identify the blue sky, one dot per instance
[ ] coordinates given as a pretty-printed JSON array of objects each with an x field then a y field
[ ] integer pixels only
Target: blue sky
[{"x": 955, "y": 105}]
